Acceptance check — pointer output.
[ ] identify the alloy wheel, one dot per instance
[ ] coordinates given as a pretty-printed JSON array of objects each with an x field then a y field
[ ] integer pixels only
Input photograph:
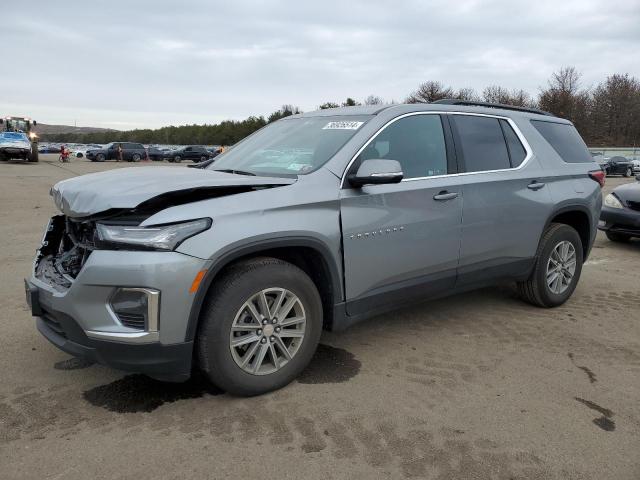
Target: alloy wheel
[
  {"x": 267, "y": 331},
  {"x": 561, "y": 267}
]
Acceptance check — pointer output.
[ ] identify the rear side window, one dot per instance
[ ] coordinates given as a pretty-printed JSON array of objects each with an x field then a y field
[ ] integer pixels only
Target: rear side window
[
  {"x": 565, "y": 140},
  {"x": 416, "y": 141},
  {"x": 517, "y": 153},
  {"x": 482, "y": 143}
]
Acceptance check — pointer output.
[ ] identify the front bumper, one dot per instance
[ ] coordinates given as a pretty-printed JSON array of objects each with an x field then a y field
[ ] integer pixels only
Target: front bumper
[
  {"x": 620, "y": 220},
  {"x": 79, "y": 320}
]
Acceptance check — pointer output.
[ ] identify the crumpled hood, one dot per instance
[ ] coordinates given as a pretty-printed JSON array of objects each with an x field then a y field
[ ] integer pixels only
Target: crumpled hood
[
  {"x": 628, "y": 192},
  {"x": 127, "y": 188}
]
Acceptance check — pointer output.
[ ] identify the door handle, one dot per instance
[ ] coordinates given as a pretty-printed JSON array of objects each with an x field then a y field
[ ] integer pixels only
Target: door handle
[
  {"x": 444, "y": 195},
  {"x": 535, "y": 185}
]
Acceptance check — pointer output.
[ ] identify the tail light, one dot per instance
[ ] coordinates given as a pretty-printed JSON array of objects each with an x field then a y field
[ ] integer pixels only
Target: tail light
[{"x": 599, "y": 176}]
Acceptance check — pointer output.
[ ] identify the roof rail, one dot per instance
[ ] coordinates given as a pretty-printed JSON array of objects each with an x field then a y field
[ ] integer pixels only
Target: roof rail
[{"x": 471, "y": 103}]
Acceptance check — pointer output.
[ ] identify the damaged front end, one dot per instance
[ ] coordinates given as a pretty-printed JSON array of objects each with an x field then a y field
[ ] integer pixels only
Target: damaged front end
[{"x": 66, "y": 246}]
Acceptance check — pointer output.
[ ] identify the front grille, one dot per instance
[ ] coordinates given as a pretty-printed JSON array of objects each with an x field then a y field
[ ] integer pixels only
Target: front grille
[
  {"x": 132, "y": 320},
  {"x": 53, "y": 324},
  {"x": 633, "y": 205}
]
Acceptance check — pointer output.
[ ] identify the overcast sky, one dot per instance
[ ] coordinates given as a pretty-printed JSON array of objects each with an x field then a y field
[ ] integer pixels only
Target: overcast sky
[{"x": 130, "y": 64}]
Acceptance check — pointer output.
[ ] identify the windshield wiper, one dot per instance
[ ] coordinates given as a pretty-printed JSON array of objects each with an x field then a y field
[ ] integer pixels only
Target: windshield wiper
[{"x": 236, "y": 172}]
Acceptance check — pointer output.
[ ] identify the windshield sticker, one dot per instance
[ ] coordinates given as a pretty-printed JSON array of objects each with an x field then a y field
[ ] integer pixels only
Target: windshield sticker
[{"x": 342, "y": 126}]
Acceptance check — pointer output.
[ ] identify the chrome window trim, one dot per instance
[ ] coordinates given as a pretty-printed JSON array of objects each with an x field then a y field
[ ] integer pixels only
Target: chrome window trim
[{"x": 513, "y": 125}]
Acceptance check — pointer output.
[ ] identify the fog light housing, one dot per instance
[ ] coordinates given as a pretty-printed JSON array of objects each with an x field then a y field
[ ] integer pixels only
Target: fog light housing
[{"x": 136, "y": 308}]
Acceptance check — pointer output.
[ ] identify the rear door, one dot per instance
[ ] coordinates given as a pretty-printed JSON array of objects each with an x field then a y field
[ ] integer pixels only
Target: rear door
[
  {"x": 401, "y": 241},
  {"x": 506, "y": 203}
]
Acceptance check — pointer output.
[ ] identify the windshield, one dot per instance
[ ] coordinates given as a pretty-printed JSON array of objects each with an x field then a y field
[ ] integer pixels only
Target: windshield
[
  {"x": 14, "y": 136},
  {"x": 18, "y": 125},
  {"x": 291, "y": 146}
]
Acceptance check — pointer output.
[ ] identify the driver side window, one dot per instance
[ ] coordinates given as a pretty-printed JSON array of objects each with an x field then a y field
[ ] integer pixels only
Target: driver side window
[{"x": 416, "y": 141}]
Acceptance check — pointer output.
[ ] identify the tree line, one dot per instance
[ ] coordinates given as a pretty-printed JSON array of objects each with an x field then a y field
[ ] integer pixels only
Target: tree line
[{"x": 607, "y": 114}]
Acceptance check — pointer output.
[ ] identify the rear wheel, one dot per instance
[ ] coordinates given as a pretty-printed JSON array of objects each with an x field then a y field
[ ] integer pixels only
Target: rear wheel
[
  {"x": 136, "y": 157},
  {"x": 557, "y": 267},
  {"x": 260, "y": 328},
  {"x": 618, "y": 237}
]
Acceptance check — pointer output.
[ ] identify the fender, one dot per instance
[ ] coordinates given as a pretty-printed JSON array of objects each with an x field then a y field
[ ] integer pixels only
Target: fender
[
  {"x": 583, "y": 209},
  {"x": 255, "y": 247}
]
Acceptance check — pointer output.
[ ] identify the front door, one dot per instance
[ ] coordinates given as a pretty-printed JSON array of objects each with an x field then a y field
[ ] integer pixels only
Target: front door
[{"x": 401, "y": 241}]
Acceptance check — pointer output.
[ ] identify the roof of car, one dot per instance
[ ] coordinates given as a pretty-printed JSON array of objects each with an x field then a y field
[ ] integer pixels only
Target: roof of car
[{"x": 470, "y": 107}]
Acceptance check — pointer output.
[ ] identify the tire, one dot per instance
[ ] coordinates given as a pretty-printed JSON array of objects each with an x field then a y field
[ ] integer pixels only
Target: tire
[
  {"x": 202, "y": 159},
  {"x": 135, "y": 157},
  {"x": 535, "y": 289},
  {"x": 177, "y": 159},
  {"x": 223, "y": 307},
  {"x": 618, "y": 237},
  {"x": 100, "y": 157},
  {"x": 628, "y": 172}
]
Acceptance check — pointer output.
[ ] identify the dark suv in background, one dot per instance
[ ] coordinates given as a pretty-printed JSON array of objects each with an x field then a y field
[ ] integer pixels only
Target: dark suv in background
[
  {"x": 195, "y": 153},
  {"x": 131, "y": 152}
]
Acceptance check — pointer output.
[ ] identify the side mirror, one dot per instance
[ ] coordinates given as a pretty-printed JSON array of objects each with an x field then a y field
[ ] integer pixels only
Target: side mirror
[{"x": 376, "y": 172}]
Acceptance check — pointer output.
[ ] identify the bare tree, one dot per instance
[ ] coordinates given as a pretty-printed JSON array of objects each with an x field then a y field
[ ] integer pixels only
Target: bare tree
[
  {"x": 430, "y": 91},
  {"x": 373, "y": 100},
  {"x": 468, "y": 94},
  {"x": 326, "y": 105}
]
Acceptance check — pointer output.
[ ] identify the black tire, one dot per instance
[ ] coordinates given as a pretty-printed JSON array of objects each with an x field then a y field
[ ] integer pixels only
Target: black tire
[
  {"x": 535, "y": 289},
  {"x": 202, "y": 159},
  {"x": 136, "y": 157},
  {"x": 618, "y": 237},
  {"x": 226, "y": 297},
  {"x": 100, "y": 157},
  {"x": 177, "y": 159},
  {"x": 628, "y": 172}
]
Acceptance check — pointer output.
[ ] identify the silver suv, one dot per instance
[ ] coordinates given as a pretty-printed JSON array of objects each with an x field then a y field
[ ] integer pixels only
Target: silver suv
[{"x": 319, "y": 220}]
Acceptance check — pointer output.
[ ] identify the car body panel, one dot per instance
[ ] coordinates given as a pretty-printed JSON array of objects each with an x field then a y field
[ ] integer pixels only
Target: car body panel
[{"x": 129, "y": 187}]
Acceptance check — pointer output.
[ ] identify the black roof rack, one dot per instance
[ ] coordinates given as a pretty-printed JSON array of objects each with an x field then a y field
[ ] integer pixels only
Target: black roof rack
[{"x": 470, "y": 103}]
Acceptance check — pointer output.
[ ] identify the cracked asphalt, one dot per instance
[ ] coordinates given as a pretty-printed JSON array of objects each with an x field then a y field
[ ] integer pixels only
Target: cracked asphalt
[{"x": 478, "y": 386}]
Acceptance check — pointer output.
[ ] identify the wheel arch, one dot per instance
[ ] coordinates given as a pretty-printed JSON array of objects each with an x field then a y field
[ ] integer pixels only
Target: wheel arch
[
  {"x": 578, "y": 217},
  {"x": 309, "y": 254}
]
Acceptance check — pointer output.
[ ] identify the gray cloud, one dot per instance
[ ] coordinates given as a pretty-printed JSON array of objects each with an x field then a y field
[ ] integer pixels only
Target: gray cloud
[{"x": 129, "y": 64}]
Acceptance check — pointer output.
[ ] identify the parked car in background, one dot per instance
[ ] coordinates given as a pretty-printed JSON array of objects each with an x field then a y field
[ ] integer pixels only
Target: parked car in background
[
  {"x": 157, "y": 154},
  {"x": 80, "y": 151},
  {"x": 636, "y": 165},
  {"x": 194, "y": 153},
  {"x": 131, "y": 152},
  {"x": 619, "y": 166},
  {"x": 237, "y": 268},
  {"x": 620, "y": 215}
]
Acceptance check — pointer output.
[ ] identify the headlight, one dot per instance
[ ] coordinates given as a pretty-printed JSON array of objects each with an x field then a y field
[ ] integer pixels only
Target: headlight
[
  {"x": 611, "y": 201},
  {"x": 161, "y": 237}
]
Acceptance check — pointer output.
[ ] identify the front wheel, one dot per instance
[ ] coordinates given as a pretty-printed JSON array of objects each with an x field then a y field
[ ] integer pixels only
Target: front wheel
[
  {"x": 100, "y": 158},
  {"x": 628, "y": 172},
  {"x": 177, "y": 159},
  {"x": 260, "y": 327},
  {"x": 557, "y": 267},
  {"x": 136, "y": 157}
]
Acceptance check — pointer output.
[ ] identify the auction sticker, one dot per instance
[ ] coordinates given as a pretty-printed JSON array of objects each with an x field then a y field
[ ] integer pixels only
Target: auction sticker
[{"x": 342, "y": 126}]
